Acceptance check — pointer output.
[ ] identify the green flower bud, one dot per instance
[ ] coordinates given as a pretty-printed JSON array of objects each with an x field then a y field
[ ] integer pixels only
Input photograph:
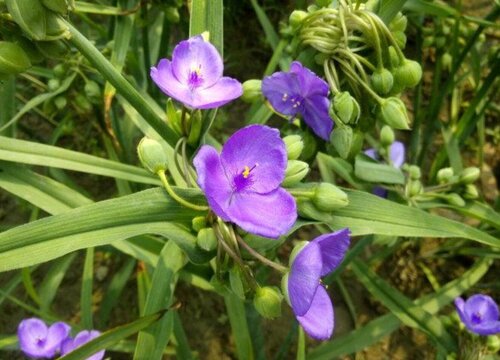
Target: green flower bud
[
  {"x": 345, "y": 108},
  {"x": 252, "y": 90},
  {"x": 409, "y": 73},
  {"x": 446, "y": 61},
  {"x": 455, "y": 199},
  {"x": 400, "y": 38},
  {"x": 172, "y": 14},
  {"x": 382, "y": 81},
  {"x": 393, "y": 57},
  {"x": 195, "y": 126},
  {"x": 58, "y": 6},
  {"x": 445, "y": 175},
  {"x": 267, "y": 302},
  {"x": 414, "y": 188},
  {"x": 59, "y": 70},
  {"x": 152, "y": 155},
  {"x": 469, "y": 175},
  {"x": 30, "y": 15},
  {"x": 341, "y": 139},
  {"x": 93, "y": 91},
  {"x": 206, "y": 239},
  {"x": 414, "y": 172},
  {"x": 386, "y": 136},
  {"x": 296, "y": 170},
  {"x": 398, "y": 23},
  {"x": 198, "y": 223},
  {"x": 296, "y": 18},
  {"x": 13, "y": 59},
  {"x": 53, "y": 84},
  {"x": 60, "y": 102},
  {"x": 493, "y": 343},
  {"x": 294, "y": 146},
  {"x": 440, "y": 41},
  {"x": 392, "y": 111},
  {"x": 470, "y": 192},
  {"x": 328, "y": 197}
]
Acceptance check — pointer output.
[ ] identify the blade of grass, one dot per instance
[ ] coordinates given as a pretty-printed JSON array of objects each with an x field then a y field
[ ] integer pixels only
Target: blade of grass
[
  {"x": 237, "y": 318},
  {"x": 86, "y": 293}
]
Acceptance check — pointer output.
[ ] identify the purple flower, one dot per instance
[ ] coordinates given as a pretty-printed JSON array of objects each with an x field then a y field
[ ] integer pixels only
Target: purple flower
[
  {"x": 309, "y": 300},
  {"x": 300, "y": 92},
  {"x": 194, "y": 76},
  {"x": 479, "y": 314},
  {"x": 80, "y": 339},
  {"x": 396, "y": 154},
  {"x": 242, "y": 184},
  {"x": 36, "y": 340}
]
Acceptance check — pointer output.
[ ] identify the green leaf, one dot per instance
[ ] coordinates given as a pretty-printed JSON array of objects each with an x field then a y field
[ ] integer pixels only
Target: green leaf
[
  {"x": 389, "y": 8},
  {"x": 436, "y": 8},
  {"x": 207, "y": 15},
  {"x": 367, "y": 169},
  {"x": 271, "y": 35},
  {"x": 111, "y": 337},
  {"x": 236, "y": 312},
  {"x": 86, "y": 292},
  {"x": 86, "y": 7}
]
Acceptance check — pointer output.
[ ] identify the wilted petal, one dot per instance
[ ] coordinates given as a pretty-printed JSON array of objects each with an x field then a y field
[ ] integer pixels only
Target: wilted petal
[
  {"x": 260, "y": 148},
  {"x": 315, "y": 114},
  {"x": 196, "y": 54},
  {"x": 270, "y": 215},
  {"x": 163, "y": 77},
  {"x": 333, "y": 248},
  {"x": 487, "y": 328},
  {"x": 482, "y": 306},
  {"x": 304, "y": 278},
  {"x": 279, "y": 88},
  {"x": 310, "y": 83},
  {"x": 318, "y": 322},
  {"x": 222, "y": 92},
  {"x": 212, "y": 180},
  {"x": 397, "y": 153}
]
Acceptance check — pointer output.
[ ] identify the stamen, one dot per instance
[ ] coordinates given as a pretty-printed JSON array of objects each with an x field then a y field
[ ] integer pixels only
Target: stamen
[
  {"x": 247, "y": 170},
  {"x": 285, "y": 97}
]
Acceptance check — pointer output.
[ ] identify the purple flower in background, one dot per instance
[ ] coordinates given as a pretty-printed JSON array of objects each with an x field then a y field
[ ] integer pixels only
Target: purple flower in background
[
  {"x": 242, "y": 184},
  {"x": 396, "y": 154},
  {"x": 194, "y": 76},
  {"x": 479, "y": 314},
  {"x": 309, "y": 299},
  {"x": 300, "y": 91},
  {"x": 36, "y": 340},
  {"x": 81, "y": 338}
]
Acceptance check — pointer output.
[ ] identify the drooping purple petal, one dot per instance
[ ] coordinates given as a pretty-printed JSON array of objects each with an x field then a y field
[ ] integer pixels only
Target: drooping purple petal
[
  {"x": 487, "y": 328},
  {"x": 333, "y": 248},
  {"x": 310, "y": 83},
  {"x": 220, "y": 93},
  {"x": 304, "y": 278},
  {"x": 57, "y": 333},
  {"x": 80, "y": 339},
  {"x": 481, "y": 308},
  {"x": 397, "y": 154},
  {"x": 318, "y": 321},
  {"x": 460, "y": 306},
  {"x": 270, "y": 215},
  {"x": 212, "y": 180},
  {"x": 196, "y": 56},
  {"x": 261, "y": 149},
  {"x": 163, "y": 76},
  {"x": 279, "y": 89},
  {"x": 38, "y": 341},
  {"x": 315, "y": 114}
]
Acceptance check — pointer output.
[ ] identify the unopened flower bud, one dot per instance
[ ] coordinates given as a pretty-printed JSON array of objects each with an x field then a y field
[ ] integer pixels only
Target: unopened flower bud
[
  {"x": 400, "y": 38},
  {"x": 172, "y": 14},
  {"x": 414, "y": 172},
  {"x": 296, "y": 18},
  {"x": 341, "y": 139},
  {"x": 386, "y": 136},
  {"x": 267, "y": 302},
  {"x": 206, "y": 239},
  {"x": 470, "y": 175},
  {"x": 493, "y": 343},
  {"x": 345, "y": 108},
  {"x": 92, "y": 91},
  {"x": 294, "y": 146},
  {"x": 414, "y": 188},
  {"x": 393, "y": 56},
  {"x": 398, "y": 23},
  {"x": 408, "y": 73},
  {"x": 470, "y": 192},
  {"x": 195, "y": 126},
  {"x": 446, "y": 61},
  {"x": 328, "y": 197},
  {"x": 445, "y": 175},
  {"x": 252, "y": 90},
  {"x": 392, "y": 111},
  {"x": 53, "y": 84},
  {"x": 382, "y": 81},
  {"x": 296, "y": 170},
  {"x": 13, "y": 59},
  {"x": 198, "y": 223},
  {"x": 152, "y": 155},
  {"x": 455, "y": 199}
]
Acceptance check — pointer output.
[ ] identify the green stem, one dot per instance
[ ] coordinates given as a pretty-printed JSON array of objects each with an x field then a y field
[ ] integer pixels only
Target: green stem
[
  {"x": 297, "y": 192},
  {"x": 262, "y": 259},
  {"x": 176, "y": 197},
  {"x": 129, "y": 92}
]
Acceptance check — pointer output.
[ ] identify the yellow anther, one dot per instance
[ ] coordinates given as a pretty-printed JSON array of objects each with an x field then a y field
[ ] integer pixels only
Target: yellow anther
[{"x": 246, "y": 172}]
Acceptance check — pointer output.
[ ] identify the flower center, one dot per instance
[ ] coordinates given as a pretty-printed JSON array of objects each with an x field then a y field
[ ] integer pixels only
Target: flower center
[
  {"x": 40, "y": 341},
  {"x": 294, "y": 100},
  {"x": 195, "y": 78},
  {"x": 476, "y": 317},
  {"x": 244, "y": 179}
]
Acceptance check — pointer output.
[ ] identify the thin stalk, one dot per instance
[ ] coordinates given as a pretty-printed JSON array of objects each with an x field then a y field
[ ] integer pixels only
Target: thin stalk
[
  {"x": 176, "y": 197},
  {"x": 262, "y": 259}
]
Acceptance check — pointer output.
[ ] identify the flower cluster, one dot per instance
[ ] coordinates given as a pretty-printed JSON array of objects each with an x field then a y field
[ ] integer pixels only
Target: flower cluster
[{"x": 39, "y": 341}]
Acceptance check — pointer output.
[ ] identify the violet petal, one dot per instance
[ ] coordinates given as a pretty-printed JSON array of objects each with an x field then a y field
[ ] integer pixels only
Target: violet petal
[
  {"x": 316, "y": 116},
  {"x": 270, "y": 215},
  {"x": 163, "y": 76},
  {"x": 397, "y": 154},
  {"x": 333, "y": 248},
  {"x": 460, "y": 306},
  {"x": 261, "y": 149},
  {"x": 487, "y": 328},
  {"x": 481, "y": 305},
  {"x": 57, "y": 333},
  {"x": 222, "y": 92},
  {"x": 279, "y": 88},
  {"x": 319, "y": 320},
  {"x": 304, "y": 278},
  {"x": 310, "y": 83}
]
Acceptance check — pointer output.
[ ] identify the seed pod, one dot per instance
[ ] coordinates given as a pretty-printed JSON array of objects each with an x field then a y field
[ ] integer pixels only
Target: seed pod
[
  {"x": 152, "y": 155},
  {"x": 328, "y": 197},
  {"x": 198, "y": 223},
  {"x": 409, "y": 73},
  {"x": 13, "y": 59},
  {"x": 445, "y": 175},
  {"x": 206, "y": 239},
  {"x": 252, "y": 90},
  {"x": 470, "y": 192},
  {"x": 294, "y": 146},
  {"x": 470, "y": 175},
  {"x": 30, "y": 15},
  {"x": 414, "y": 172},
  {"x": 382, "y": 81},
  {"x": 392, "y": 111},
  {"x": 267, "y": 302},
  {"x": 345, "y": 108},
  {"x": 296, "y": 170},
  {"x": 387, "y": 136},
  {"x": 455, "y": 199}
]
